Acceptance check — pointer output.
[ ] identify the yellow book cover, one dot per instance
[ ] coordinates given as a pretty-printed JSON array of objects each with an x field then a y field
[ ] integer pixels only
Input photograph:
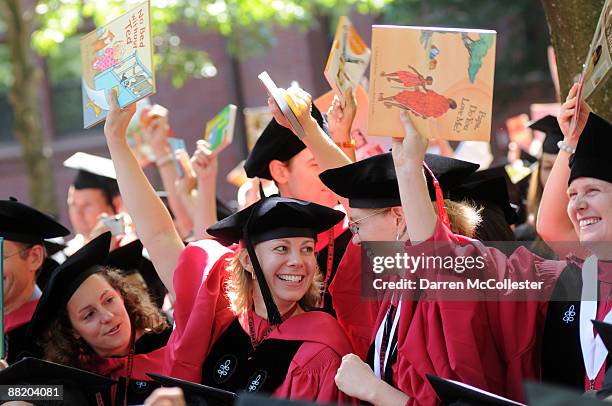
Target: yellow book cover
[
  {"x": 118, "y": 55},
  {"x": 348, "y": 58},
  {"x": 442, "y": 76}
]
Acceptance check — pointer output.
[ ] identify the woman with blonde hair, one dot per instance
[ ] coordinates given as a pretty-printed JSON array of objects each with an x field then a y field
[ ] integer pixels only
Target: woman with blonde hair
[{"x": 243, "y": 319}]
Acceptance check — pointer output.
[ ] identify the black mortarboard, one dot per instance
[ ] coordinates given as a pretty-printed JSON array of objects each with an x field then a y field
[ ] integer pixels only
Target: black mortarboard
[
  {"x": 276, "y": 143},
  {"x": 197, "y": 394},
  {"x": 271, "y": 218},
  {"x": 66, "y": 279},
  {"x": 79, "y": 386},
  {"x": 487, "y": 186},
  {"x": 456, "y": 393},
  {"x": 527, "y": 158},
  {"x": 22, "y": 223},
  {"x": 255, "y": 399},
  {"x": 372, "y": 183},
  {"x": 549, "y": 126},
  {"x": 592, "y": 157},
  {"x": 548, "y": 395},
  {"x": 94, "y": 172},
  {"x": 129, "y": 260}
]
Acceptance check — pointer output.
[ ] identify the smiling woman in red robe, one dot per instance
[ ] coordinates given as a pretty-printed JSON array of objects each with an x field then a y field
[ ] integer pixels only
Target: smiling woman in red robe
[{"x": 242, "y": 316}]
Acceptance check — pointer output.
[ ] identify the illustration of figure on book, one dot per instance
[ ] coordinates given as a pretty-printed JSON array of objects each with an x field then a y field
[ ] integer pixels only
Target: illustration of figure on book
[
  {"x": 410, "y": 79},
  {"x": 421, "y": 103}
]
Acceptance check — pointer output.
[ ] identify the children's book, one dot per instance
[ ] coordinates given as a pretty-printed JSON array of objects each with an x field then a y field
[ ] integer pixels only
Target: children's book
[
  {"x": 596, "y": 68},
  {"x": 256, "y": 119},
  {"x": 118, "y": 55},
  {"x": 599, "y": 61},
  {"x": 348, "y": 59},
  {"x": 219, "y": 131},
  {"x": 442, "y": 76},
  {"x": 283, "y": 100},
  {"x": 175, "y": 145}
]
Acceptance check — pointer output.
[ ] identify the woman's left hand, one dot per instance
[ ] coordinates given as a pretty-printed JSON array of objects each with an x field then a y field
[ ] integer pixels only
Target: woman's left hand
[{"x": 355, "y": 378}]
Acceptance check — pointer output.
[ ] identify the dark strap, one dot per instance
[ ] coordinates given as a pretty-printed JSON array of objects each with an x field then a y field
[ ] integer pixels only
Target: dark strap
[
  {"x": 324, "y": 258},
  {"x": 233, "y": 365}
]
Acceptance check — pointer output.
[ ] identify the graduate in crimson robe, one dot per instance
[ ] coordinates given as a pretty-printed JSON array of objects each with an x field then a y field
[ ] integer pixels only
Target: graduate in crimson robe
[
  {"x": 292, "y": 356},
  {"x": 24, "y": 230},
  {"x": 543, "y": 335},
  {"x": 280, "y": 156},
  {"x": 91, "y": 317}
]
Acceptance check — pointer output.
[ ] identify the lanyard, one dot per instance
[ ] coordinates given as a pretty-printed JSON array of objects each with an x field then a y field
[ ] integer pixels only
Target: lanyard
[
  {"x": 330, "y": 263},
  {"x": 383, "y": 338}
]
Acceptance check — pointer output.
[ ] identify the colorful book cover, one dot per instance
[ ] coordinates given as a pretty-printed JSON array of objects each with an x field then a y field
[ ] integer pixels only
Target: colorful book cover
[
  {"x": 256, "y": 119},
  {"x": 442, "y": 76},
  {"x": 118, "y": 55},
  {"x": 348, "y": 59},
  {"x": 599, "y": 59},
  {"x": 219, "y": 131},
  {"x": 282, "y": 100},
  {"x": 596, "y": 68},
  {"x": 177, "y": 144}
]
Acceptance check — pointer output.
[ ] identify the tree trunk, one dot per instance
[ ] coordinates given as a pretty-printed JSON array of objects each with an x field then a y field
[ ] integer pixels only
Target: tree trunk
[
  {"x": 24, "y": 101},
  {"x": 572, "y": 26}
]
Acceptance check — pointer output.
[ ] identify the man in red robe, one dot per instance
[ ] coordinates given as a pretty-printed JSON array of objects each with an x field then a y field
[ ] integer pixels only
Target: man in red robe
[{"x": 23, "y": 229}]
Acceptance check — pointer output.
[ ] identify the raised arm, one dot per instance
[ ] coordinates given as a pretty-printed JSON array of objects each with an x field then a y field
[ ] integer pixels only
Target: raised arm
[
  {"x": 408, "y": 155},
  {"x": 204, "y": 164},
  {"x": 325, "y": 151},
  {"x": 153, "y": 222},
  {"x": 157, "y": 133},
  {"x": 553, "y": 224}
]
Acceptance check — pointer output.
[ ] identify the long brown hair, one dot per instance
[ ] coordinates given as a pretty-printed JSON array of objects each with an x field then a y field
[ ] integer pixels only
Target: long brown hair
[{"x": 59, "y": 344}]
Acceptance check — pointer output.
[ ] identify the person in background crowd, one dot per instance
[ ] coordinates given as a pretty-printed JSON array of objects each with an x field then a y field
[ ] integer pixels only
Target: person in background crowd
[{"x": 24, "y": 230}]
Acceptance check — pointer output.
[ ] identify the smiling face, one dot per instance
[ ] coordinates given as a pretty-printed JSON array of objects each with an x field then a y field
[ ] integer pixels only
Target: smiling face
[
  {"x": 98, "y": 315},
  {"x": 590, "y": 209},
  {"x": 289, "y": 266}
]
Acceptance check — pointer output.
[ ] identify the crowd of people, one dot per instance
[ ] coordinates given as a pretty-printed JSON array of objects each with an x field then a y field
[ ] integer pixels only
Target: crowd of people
[{"x": 270, "y": 298}]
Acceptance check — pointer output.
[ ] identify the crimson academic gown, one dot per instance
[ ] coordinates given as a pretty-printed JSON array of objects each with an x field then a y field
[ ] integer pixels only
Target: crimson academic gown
[
  {"x": 202, "y": 315},
  {"x": 15, "y": 328},
  {"x": 356, "y": 314},
  {"x": 149, "y": 356},
  {"x": 509, "y": 341}
]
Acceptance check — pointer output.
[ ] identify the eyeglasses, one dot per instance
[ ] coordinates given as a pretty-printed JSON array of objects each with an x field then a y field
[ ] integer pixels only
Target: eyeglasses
[{"x": 353, "y": 225}]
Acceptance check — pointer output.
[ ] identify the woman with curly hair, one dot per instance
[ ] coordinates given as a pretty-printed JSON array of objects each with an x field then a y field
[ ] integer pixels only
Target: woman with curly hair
[{"x": 91, "y": 317}]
